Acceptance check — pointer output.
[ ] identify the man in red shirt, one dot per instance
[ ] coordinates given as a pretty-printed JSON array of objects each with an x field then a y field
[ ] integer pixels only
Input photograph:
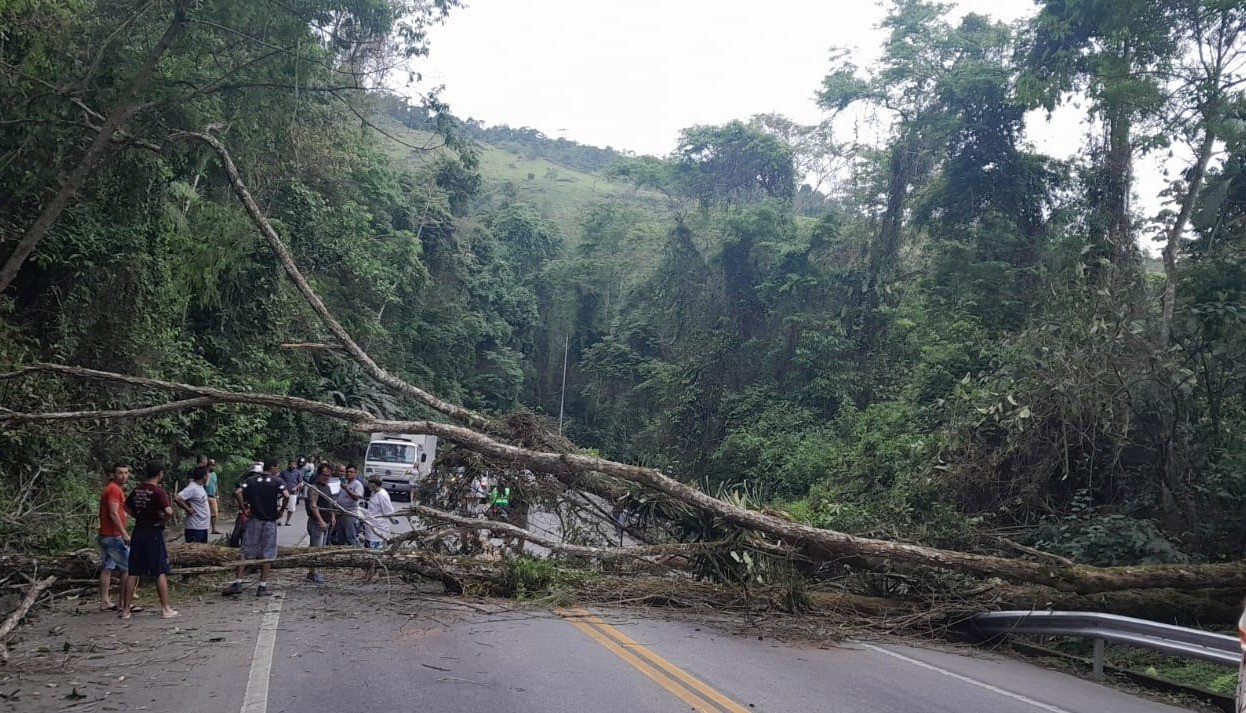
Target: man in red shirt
[
  {"x": 113, "y": 539},
  {"x": 149, "y": 557}
]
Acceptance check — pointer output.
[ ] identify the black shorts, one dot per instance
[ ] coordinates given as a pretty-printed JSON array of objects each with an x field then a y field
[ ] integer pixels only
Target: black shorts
[{"x": 148, "y": 555}]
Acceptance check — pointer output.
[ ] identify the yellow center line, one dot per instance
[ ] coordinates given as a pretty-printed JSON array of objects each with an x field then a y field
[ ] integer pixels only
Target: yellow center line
[
  {"x": 683, "y": 694},
  {"x": 627, "y": 644}
]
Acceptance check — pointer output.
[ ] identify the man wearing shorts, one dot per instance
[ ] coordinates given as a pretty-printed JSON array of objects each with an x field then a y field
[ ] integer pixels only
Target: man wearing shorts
[
  {"x": 262, "y": 496},
  {"x": 150, "y": 506},
  {"x": 214, "y": 503},
  {"x": 113, "y": 539}
]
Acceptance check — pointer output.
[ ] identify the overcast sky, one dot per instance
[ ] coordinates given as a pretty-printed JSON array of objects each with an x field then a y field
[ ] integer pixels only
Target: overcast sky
[{"x": 632, "y": 74}]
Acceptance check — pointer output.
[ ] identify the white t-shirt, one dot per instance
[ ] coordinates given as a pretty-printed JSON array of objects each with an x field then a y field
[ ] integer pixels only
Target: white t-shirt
[
  {"x": 197, "y": 498},
  {"x": 380, "y": 507}
]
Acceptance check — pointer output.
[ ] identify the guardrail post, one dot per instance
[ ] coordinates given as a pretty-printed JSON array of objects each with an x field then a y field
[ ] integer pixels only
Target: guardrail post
[{"x": 1098, "y": 661}]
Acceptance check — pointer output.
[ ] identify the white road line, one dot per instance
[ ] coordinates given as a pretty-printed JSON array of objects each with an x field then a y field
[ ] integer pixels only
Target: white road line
[
  {"x": 256, "y": 698},
  {"x": 966, "y": 679}
]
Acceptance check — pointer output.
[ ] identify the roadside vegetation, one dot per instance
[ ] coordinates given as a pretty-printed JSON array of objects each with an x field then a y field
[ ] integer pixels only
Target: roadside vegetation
[{"x": 951, "y": 340}]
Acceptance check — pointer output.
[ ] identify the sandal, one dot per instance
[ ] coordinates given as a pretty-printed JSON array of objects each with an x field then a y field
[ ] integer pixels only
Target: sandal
[{"x": 114, "y": 607}]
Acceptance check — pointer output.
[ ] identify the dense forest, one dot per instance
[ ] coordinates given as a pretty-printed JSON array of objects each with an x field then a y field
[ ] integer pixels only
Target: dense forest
[{"x": 928, "y": 331}]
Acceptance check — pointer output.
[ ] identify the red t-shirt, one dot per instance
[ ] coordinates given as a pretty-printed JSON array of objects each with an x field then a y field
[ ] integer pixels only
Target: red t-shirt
[
  {"x": 148, "y": 502},
  {"x": 112, "y": 494}
]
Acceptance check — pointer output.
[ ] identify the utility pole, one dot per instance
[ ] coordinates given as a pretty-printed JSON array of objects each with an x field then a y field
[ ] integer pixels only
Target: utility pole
[{"x": 562, "y": 396}]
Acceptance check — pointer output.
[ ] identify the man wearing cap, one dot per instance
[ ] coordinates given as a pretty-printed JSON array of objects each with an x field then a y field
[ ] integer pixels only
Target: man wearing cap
[{"x": 263, "y": 496}]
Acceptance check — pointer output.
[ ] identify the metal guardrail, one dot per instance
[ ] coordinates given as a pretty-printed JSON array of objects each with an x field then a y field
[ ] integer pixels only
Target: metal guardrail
[{"x": 1105, "y": 628}]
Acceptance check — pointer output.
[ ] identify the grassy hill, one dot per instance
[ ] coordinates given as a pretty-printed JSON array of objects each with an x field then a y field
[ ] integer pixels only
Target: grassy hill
[{"x": 562, "y": 194}]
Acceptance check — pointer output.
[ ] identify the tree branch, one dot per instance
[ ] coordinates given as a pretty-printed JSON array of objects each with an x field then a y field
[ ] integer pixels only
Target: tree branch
[
  {"x": 97, "y": 152},
  {"x": 15, "y": 618},
  {"x": 454, "y": 411},
  {"x": 7, "y": 415},
  {"x": 601, "y": 553}
]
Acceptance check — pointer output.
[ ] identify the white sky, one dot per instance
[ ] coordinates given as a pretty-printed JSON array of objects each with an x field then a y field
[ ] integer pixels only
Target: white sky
[{"x": 632, "y": 74}]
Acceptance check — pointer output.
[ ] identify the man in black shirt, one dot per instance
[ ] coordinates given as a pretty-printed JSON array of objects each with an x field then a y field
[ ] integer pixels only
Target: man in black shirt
[{"x": 262, "y": 496}]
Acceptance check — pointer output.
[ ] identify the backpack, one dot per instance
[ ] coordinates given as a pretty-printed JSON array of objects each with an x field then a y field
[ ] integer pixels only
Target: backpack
[{"x": 235, "y": 535}]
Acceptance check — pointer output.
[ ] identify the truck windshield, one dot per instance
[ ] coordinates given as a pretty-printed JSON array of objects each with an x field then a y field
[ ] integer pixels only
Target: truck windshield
[{"x": 391, "y": 453}]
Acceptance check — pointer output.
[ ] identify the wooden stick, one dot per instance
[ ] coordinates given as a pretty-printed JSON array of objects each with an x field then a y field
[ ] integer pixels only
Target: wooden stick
[{"x": 19, "y": 613}]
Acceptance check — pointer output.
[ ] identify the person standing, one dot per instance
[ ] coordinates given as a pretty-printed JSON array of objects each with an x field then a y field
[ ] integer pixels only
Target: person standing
[
  {"x": 380, "y": 511},
  {"x": 214, "y": 502},
  {"x": 348, "y": 498},
  {"x": 292, "y": 477},
  {"x": 262, "y": 496},
  {"x": 149, "y": 557},
  {"x": 193, "y": 499},
  {"x": 479, "y": 495},
  {"x": 113, "y": 539},
  {"x": 321, "y": 514}
]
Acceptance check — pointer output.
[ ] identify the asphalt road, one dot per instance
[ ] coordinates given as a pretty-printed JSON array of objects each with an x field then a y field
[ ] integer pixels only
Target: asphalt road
[
  {"x": 488, "y": 660},
  {"x": 347, "y": 646},
  {"x": 328, "y": 656},
  {"x": 384, "y": 647}
]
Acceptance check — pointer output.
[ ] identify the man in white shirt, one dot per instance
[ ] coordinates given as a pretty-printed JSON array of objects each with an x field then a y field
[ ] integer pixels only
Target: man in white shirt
[
  {"x": 380, "y": 511},
  {"x": 194, "y": 500}
]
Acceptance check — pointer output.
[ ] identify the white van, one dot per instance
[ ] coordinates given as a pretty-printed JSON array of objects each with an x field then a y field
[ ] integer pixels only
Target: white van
[{"x": 400, "y": 460}]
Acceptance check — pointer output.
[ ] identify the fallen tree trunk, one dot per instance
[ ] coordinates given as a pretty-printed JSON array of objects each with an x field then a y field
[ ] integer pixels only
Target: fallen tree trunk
[
  {"x": 457, "y": 574},
  {"x": 809, "y": 542},
  {"x": 1209, "y": 608}
]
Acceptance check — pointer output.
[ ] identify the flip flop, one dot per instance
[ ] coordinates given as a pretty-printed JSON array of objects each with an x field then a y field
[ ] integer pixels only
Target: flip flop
[
  {"x": 114, "y": 607},
  {"x": 170, "y": 614},
  {"x": 135, "y": 610}
]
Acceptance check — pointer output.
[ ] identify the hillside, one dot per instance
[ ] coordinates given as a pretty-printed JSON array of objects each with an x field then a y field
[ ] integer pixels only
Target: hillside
[{"x": 563, "y": 194}]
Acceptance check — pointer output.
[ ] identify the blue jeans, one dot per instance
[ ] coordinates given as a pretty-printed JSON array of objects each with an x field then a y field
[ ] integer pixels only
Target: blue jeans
[
  {"x": 318, "y": 537},
  {"x": 116, "y": 553},
  {"x": 348, "y": 530}
]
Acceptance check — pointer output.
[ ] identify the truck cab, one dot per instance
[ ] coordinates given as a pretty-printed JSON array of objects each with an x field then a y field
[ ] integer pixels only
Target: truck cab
[{"x": 400, "y": 460}]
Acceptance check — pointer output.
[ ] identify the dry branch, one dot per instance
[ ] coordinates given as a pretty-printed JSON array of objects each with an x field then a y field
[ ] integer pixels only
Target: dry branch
[
  {"x": 600, "y": 553},
  {"x": 19, "y": 613}
]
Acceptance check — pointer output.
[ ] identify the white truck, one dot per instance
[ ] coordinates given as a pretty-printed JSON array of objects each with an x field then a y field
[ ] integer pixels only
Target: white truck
[{"x": 400, "y": 460}]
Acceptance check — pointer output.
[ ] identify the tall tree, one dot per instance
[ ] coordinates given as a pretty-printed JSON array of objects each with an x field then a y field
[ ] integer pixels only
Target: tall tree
[{"x": 1113, "y": 52}]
